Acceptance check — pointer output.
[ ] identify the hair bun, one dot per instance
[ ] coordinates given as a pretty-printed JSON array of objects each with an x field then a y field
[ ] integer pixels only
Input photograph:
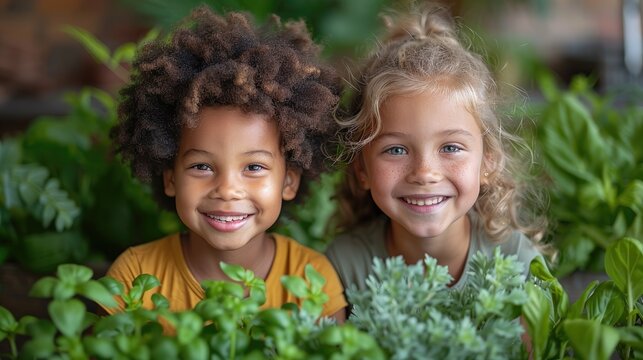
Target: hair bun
[{"x": 429, "y": 21}]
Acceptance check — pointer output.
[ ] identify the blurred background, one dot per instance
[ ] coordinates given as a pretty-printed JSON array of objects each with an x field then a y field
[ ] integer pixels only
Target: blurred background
[
  {"x": 571, "y": 69},
  {"x": 39, "y": 62}
]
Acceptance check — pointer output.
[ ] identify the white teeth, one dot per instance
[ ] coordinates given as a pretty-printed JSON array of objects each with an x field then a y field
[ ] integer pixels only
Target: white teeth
[
  {"x": 227, "y": 218},
  {"x": 423, "y": 202}
]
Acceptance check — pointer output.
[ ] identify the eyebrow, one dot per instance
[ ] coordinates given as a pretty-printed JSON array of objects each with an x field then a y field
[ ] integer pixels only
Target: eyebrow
[
  {"x": 251, "y": 152},
  {"x": 447, "y": 132}
]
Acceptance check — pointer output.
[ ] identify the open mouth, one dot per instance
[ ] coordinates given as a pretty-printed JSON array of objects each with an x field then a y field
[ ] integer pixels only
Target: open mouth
[
  {"x": 227, "y": 219},
  {"x": 426, "y": 201}
]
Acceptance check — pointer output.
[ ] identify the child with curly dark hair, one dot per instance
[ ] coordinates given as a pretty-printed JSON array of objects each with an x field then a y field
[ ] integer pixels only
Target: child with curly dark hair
[{"x": 223, "y": 120}]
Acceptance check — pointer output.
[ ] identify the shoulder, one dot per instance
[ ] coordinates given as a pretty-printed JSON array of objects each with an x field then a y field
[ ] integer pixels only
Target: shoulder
[
  {"x": 138, "y": 259},
  {"x": 293, "y": 252},
  {"x": 161, "y": 245},
  {"x": 352, "y": 253},
  {"x": 291, "y": 258},
  {"x": 516, "y": 243},
  {"x": 364, "y": 239}
]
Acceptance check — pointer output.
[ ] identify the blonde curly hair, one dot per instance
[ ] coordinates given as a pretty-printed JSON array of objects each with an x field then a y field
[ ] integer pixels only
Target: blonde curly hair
[{"x": 422, "y": 53}]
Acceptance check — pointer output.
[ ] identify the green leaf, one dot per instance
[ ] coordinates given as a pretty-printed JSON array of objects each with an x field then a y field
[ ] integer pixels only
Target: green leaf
[
  {"x": 258, "y": 292},
  {"x": 632, "y": 196},
  {"x": 73, "y": 273},
  {"x": 8, "y": 323},
  {"x": 94, "y": 46},
  {"x": 44, "y": 287},
  {"x": 631, "y": 336},
  {"x": 316, "y": 280},
  {"x": 114, "y": 286},
  {"x": 274, "y": 318},
  {"x": 547, "y": 85},
  {"x": 198, "y": 349},
  {"x": 624, "y": 265},
  {"x": 124, "y": 53},
  {"x": 146, "y": 282},
  {"x": 97, "y": 292},
  {"x": 99, "y": 347},
  {"x": 576, "y": 310},
  {"x": 606, "y": 304},
  {"x": 537, "y": 313},
  {"x": 9, "y": 191},
  {"x": 68, "y": 316},
  {"x": 31, "y": 181},
  {"x": 538, "y": 268},
  {"x": 295, "y": 285},
  {"x": 590, "y": 339},
  {"x": 160, "y": 301},
  {"x": 188, "y": 327},
  {"x": 234, "y": 272}
]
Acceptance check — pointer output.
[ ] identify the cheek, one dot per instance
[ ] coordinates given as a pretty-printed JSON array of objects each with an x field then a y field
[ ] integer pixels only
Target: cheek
[
  {"x": 466, "y": 174},
  {"x": 384, "y": 175},
  {"x": 268, "y": 188}
]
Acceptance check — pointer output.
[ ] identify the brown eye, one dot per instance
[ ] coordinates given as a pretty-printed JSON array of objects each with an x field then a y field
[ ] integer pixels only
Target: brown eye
[{"x": 200, "y": 167}]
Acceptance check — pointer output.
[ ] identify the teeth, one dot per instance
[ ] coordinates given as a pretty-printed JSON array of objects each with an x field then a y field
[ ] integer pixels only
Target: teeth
[
  {"x": 423, "y": 202},
  {"x": 227, "y": 218}
]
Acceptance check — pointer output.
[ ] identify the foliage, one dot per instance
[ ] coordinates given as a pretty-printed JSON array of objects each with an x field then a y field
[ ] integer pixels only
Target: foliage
[
  {"x": 590, "y": 152},
  {"x": 65, "y": 197},
  {"x": 226, "y": 324},
  {"x": 340, "y": 25},
  {"x": 607, "y": 317},
  {"x": 310, "y": 221},
  {"x": 414, "y": 315}
]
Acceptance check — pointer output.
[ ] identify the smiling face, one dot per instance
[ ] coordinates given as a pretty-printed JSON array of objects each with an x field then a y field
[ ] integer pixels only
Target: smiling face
[
  {"x": 230, "y": 177},
  {"x": 423, "y": 169}
]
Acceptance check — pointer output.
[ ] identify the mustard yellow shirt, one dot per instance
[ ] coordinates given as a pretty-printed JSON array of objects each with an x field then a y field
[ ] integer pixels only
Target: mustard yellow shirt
[{"x": 164, "y": 259}]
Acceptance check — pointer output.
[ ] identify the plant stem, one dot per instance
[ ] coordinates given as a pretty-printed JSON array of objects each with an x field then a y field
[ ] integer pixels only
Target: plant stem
[
  {"x": 233, "y": 344},
  {"x": 12, "y": 344}
]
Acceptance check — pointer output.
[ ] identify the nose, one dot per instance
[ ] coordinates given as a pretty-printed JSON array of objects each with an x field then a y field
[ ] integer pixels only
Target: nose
[
  {"x": 226, "y": 186},
  {"x": 424, "y": 170}
]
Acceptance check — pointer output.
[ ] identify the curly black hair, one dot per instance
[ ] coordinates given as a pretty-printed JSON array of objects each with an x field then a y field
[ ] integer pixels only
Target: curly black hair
[{"x": 213, "y": 60}]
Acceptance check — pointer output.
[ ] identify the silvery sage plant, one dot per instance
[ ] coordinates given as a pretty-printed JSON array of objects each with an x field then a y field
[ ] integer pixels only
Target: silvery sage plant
[{"x": 415, "y": 315}]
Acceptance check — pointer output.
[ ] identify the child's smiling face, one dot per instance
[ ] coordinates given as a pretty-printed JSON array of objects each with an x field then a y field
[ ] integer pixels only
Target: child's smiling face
[
  {"x": 230, "y": 177},
  {"x": 424, "y": 167}
]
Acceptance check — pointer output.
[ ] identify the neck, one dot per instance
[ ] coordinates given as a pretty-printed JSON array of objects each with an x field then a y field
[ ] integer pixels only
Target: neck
[
  {"x": 449, "y": 248},
  {"x": 203, "y": 260}
]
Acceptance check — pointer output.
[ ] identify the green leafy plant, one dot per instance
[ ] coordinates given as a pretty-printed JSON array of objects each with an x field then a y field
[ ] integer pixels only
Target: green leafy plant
[
  {"x": 591, "y": 152},
  {"x": 608, "y": 316},
  {"x": 310, "y": 221},
  {"x": 414, "y": 314},
  {"x": 226, "y": 324},
  {"x": 65, "y": 197}
]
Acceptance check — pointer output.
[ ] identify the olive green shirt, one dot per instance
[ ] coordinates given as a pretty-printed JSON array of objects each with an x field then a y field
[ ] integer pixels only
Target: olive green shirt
[{"x": 352, "y": 252}]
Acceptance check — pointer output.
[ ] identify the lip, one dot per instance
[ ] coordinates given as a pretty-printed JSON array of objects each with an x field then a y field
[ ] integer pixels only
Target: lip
[
  {"x": 424, "y": 203},
  {"x": 226, "y": 221}
]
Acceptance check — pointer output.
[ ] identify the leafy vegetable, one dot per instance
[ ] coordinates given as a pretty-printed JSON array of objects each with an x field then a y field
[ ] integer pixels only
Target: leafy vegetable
[
  {"x": 605, "y": 319},
  {"x": 414, "y": 315},
  {"x": 225, "y": 324},
  {"x": 591, "y": 151}
]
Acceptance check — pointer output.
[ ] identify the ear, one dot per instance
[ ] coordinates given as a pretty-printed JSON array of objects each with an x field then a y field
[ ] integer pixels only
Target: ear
[
  {"x": 168, "y": 182},
  {"x": 488, "y": 168},
  {"x": 360, "y": 172},
  {"x": 291, "y": 184}
]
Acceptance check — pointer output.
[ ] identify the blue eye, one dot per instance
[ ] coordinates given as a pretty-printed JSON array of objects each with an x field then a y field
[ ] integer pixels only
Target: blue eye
[
  {"x": 255, "y": 167},
  {"x": 451, "y": 148},
  {"x": 396, "y": 150}
]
